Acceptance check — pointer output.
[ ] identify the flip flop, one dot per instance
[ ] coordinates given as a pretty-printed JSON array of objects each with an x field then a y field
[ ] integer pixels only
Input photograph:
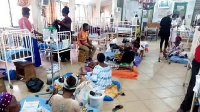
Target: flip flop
[{"x": 118, "y": 107}]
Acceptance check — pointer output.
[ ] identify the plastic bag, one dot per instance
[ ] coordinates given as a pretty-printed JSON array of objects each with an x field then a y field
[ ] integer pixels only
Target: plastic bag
[{"x": 82, "y": 92}]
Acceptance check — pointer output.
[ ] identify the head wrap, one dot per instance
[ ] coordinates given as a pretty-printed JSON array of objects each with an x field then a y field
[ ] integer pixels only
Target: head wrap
[
  {"x": 5, "y": 99},
  {"x": 25, "y": 11},
  {"x": 178, "y": 38},
  {"x": 66, "y": 85},
  {"x": 169, "y": 13},
  {"x": 65, "y": 10}
]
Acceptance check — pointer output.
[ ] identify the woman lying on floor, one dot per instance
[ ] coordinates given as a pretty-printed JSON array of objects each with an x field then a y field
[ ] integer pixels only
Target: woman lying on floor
[{"x": 101, "y": 76}]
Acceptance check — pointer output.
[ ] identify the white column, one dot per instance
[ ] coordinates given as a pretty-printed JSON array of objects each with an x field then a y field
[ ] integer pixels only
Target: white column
[
  {"x": 114, "y": 7},
  {"x": 36, "y": 14},
  {"x": 72, "y": 13},
  {"x": 98, "y": 8}
]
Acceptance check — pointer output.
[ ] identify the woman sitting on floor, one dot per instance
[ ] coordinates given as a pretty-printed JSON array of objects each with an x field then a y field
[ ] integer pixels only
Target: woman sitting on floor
[
  {"x": 101, "y": 76},
  {"x": 127, "y": 59},
  {"x": 64, "y": 102},
  {"x": 177, "y": 48},
  {"x": 8, "y": 103}
]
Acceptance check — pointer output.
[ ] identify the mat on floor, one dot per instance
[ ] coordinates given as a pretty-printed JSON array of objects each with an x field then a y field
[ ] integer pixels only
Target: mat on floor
[{"x": 126, "y": 73}]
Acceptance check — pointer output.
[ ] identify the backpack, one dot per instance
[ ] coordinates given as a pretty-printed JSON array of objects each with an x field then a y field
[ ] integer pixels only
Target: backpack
[{"x": 34, "y": 84}]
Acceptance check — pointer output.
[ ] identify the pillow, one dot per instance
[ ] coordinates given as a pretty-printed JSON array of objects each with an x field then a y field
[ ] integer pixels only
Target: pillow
[{"x": 66, "y": 43}]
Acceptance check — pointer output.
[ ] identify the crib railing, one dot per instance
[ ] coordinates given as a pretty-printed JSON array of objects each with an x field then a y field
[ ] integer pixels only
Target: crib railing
[{"x": 17, "y": 44}]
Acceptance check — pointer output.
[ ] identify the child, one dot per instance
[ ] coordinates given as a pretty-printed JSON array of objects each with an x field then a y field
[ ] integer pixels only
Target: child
[
  {"x": 177, "y": 48},
  {"x": 136, "y": 44},
  {"x": 143, "y": 45}
]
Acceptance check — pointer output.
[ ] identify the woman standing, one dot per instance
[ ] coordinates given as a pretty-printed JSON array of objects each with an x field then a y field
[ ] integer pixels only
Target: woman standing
[
  {"x": 174, "y": 28},
  {"x": 65, "y": 24},
  {"x": 24, "y": 23},
  {"x": 164, "y": 33}
]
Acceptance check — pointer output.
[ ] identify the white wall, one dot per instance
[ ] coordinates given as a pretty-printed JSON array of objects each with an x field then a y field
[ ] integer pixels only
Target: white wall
[
  {"x": 131, "y": 9},
  {"x": 160, "y": 12}
]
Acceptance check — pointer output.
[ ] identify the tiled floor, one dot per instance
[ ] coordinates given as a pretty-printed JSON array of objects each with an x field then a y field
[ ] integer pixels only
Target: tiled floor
[{"x": 158, "y": 88}]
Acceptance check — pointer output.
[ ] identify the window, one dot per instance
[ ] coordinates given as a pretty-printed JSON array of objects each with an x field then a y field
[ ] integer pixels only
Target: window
[
  {"x": 16, "y": 14},
  {"x": 4, "y": 11}
]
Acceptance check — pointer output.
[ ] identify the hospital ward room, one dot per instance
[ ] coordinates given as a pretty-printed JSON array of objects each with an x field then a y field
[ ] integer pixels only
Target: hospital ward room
[{"x": 100, "y": 56}]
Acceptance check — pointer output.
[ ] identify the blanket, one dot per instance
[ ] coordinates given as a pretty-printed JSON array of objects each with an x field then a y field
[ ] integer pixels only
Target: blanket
[{"x": 126, "y": 73}]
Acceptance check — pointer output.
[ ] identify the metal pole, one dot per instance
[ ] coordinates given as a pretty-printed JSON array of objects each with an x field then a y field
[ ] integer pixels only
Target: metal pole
[{"x": 10, "y": 12}]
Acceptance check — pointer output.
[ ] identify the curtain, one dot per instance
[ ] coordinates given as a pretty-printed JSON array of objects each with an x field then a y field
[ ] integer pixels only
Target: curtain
[
  {"x": 51, "y": 12},
  {"x": 24, "y": 3}
]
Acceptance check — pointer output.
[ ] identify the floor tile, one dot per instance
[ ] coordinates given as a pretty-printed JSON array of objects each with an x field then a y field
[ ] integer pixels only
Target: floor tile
[
  {"x": 144, "y": 94},
  {"x": 129, "y": 97},
  {"x": 137, "y": 106},
  {"x": 162, "y": 92},
  {"x": 150, "y": 84},
  {"x": 134, "y": 85},
  {"x": 177, "y": 90},
  {"x": 157, "y": 105},
  {"x": 173, "y": 102},
  {"x": 166, "y": 82}
]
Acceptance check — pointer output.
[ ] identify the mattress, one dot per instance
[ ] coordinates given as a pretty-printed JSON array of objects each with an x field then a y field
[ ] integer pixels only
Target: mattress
[
  {"x": 43, "y": 46},
  {"x": 123, "y": 30},
  {"x": 15, "y": 54}
]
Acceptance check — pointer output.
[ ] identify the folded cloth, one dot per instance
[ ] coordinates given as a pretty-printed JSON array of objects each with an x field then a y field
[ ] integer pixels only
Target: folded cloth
[{"x": 196, "y": 88}]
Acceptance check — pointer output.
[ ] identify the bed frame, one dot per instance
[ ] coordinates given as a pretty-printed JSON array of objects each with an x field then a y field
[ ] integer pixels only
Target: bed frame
[
  {"x": 58, "y": 38},
  {"x": 13, "y": 43},
  {"x": 97, "y": 30},
  {"x": 125, "y": 27}
]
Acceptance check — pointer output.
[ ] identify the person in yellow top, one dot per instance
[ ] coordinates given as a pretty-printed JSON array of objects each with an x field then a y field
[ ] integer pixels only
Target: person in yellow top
[{"x": 84, "y": 43}]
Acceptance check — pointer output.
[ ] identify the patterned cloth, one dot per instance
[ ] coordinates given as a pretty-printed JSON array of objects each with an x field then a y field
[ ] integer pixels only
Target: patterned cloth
[
  {"x": 101, "y": 77},
  {"x": 5, "y": 99},
  {"x": 176, "y": 50}
]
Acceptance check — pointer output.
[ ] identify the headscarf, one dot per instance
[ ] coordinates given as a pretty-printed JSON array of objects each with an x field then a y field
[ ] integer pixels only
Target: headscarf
[
  {"x": 67, "y": 86},
  {"x": 5, "y": 99},
  {"x": 169, "y": 13},
  {"x": 178, "y": 40},
  {"x": 65, "y": 10}
]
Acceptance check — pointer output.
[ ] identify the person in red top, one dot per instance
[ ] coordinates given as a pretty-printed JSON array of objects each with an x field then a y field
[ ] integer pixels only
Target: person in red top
[
  {"x": 24, "y": 23},
  {"x": 186, "y": 104},
  {"x": 84, "y": 43}
]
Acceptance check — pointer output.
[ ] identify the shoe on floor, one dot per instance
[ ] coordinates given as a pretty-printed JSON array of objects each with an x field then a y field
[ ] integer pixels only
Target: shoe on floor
[{"x": 180, "y": 110}]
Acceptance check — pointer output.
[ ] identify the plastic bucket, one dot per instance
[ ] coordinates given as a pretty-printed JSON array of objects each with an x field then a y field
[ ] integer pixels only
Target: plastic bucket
[{"x": 97, "y": 101}]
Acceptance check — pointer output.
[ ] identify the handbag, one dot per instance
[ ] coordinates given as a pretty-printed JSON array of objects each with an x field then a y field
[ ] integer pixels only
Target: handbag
[{"x": 34, "y": 84}]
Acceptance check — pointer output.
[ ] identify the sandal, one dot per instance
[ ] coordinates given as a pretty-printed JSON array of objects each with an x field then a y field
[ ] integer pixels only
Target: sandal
[
  {"x": 122, "y": 94},
  {"x": 118, "y": 107}
]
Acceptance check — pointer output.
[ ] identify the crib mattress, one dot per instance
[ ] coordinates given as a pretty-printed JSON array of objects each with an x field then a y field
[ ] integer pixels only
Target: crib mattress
[{"x": 15, "y": 54}]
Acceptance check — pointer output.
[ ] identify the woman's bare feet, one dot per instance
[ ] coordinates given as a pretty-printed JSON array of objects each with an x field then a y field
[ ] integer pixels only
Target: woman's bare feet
[{"x": 81, "y": 71}]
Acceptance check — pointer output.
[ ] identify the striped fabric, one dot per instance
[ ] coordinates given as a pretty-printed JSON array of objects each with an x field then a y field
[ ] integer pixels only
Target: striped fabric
[{"x": 101, "y": 77}]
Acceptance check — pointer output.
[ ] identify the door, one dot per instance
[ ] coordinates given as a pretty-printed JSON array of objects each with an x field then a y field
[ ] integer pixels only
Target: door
[{"x": 180, "y": 8}]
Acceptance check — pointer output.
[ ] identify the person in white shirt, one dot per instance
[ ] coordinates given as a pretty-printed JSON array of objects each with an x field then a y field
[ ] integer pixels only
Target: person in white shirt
[
  {"x": 174, "y": 28},
  {"x": 135, "y": 20},
  {"x": 143, "y": 44}
]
